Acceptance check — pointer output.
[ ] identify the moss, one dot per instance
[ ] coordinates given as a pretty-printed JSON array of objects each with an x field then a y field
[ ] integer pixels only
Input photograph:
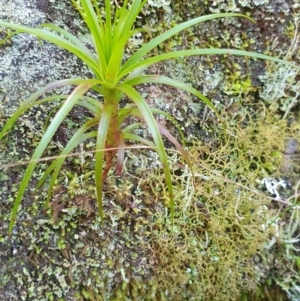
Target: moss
[
  {"x": 217, "y": 242},
  {"x": 224, "y": 222},
  {"x": 140, "y": 254}
]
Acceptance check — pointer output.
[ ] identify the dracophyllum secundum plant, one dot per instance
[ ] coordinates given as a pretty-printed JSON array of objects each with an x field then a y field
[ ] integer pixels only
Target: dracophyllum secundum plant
[{"x": 113, "y": 79}]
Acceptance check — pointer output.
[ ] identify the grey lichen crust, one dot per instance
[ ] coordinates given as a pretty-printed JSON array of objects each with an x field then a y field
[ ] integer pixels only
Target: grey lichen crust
[
  {"x": 165, "y": 4},
  {"x": 30, "y": 64},
  {"x": 251, "y": 2}
]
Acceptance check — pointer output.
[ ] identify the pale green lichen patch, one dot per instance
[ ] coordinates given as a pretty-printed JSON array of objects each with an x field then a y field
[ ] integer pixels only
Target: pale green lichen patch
[
  {"x": 251, "y": 2},
  {"x": 281, "y": 84},
  {"x": 223, "y": 230}
]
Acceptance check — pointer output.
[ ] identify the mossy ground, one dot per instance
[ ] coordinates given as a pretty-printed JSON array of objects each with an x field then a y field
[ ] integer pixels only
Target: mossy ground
[
  {"x": 220, "y": 239},
  {"x": 230, "y": 239}
]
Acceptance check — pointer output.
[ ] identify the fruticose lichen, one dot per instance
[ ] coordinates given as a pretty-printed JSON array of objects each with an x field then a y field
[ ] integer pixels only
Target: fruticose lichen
[
  {"x": 221, "y": 238},
  {"x": 281, "y": 84}
]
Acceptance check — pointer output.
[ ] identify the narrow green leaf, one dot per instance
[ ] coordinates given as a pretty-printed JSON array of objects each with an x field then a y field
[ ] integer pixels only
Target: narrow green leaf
[
  {"x": 174, "y": 83},
  {"x": 30, "y": 101},
  {"x": 58, "y": 164},
  {"x": 136, "y": 113},
  {"x": 131, "y": 16},
  {"x": 97, "y": 32},
  {"x": 93, "y": 105},
  {"x": 108, "y": 27},
  {"x": 120, "y": 154},
  {"x": 206, "y": 51},
  {"x": 152, "y": 125},
  {"x": 78, "y": 138},
  {"x": 132, "y": 127},
  {"x": 124, "y": 113},
  {"x": 171, "y": 32},
  {"x": 133, "y": 137},
  {"x": 59, "y": 117},
  {"x": 100, "y": 146},
  {"x": 117, "y": 57},
  {"x": 70, "y": 37},
  {"x": 183, "y": 152},
  {"x": 75, "y": 141}
]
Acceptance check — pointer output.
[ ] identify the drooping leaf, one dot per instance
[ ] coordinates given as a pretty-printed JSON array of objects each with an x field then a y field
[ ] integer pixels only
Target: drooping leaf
[
  {"x": 78, "y": 138},
  {"x": 132, "y": 61},
  {"x": 205, "y": 51},
  {"x": 57, "y": 120},
  {"x": 153, "y": 128}
]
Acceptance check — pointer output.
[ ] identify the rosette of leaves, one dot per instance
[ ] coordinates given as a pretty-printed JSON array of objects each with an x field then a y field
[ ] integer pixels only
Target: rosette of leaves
[{"x": 113, "y": 79}]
